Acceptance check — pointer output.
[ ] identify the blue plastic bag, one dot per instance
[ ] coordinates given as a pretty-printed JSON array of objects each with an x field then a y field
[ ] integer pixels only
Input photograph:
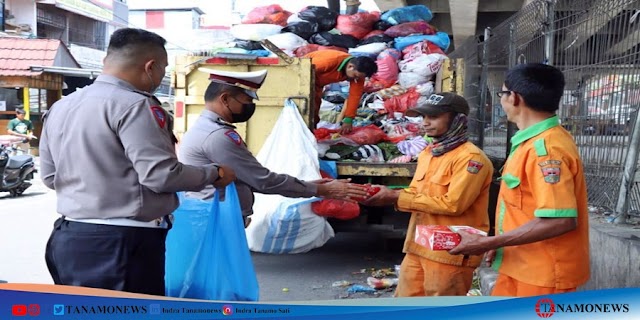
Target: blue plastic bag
[
  {"x": 407, "y": 14},
  {"x": 440, "y": 39},
  {"x": 207, "y": 254}
]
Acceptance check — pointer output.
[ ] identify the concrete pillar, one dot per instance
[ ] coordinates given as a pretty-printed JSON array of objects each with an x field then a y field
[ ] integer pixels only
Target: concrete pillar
[{"x": 464, "y": 14}]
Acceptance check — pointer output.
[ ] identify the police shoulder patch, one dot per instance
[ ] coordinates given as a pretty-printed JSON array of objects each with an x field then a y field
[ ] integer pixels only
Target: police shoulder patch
[
  {"x": 474, "y": 166},
  {"x": 234, "y": 136},
  {"x": 158, "y": 113},
  {"x": 550, "y": 170}
]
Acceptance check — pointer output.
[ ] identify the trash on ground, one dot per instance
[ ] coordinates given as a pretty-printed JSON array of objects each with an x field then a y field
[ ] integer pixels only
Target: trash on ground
[
  {"x": 342, "y": 283},
  {"x": 359, "y": 288},
  {"x": 379, "y": 284},
  {"x": 285, "y": 289}
]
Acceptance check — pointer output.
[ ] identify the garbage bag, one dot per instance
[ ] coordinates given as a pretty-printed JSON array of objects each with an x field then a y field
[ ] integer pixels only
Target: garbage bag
[
  {"x": 325, "y": 18},
  {"x": 372, "y": 49},
  {"x": 412, "y": 147},
  {"x": 380, "y": 38},
  {"x": 358, "y": 24},
  {"x": 372, "y": 33},
  {"x": 411, "y": 79},
  {"x": 415, "y": 50},
  {"x": 441, "y": 39},
  {"x": 287, "y": 41},
  {"x": 248, "y": 44},
  {"x": 288, "y": 225},
  {"x": 407, "y": 14},
  {"x": 304, "y": 29},
  {"x": 207, "y": 256},
  {"x": 273, "y": 14},
  {"x": 326, "y": 38},
  {"x": 382, "y": 25},
  {"x": 304, "y": 50},
  {"x": 254, "y": 32},
  {"x": 409, "y": 28},
  {"x": 425, "y": 65},
  {"x": 402, "y": 102},
  {"x": 387, "y": 74}
]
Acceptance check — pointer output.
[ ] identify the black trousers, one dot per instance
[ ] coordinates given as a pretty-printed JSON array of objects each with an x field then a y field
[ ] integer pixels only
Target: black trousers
[{"x": 108, "y": 257}]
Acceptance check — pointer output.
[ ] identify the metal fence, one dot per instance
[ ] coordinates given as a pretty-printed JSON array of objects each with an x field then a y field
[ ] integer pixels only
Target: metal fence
[{"x": 595, "y": 44}]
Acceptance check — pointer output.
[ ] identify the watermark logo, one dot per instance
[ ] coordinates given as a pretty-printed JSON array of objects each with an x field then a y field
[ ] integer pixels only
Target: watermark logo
[
  {"x": 19, "y": 310},
  {"x": 33, "y": 310},
  {"x": 227, "y": 310},
  {"x": 545, "y": 308},
  {"x": 58, "y": 309}
]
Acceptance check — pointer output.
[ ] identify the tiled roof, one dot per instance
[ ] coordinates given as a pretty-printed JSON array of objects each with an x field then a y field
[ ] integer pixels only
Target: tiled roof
[{"x": 17, "y": 55}]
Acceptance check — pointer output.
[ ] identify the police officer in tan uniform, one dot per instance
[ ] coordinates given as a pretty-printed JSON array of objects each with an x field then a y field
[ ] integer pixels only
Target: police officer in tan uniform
[
  {"x": 213, "y": 139},
  {"x": 108, "y": 152}
]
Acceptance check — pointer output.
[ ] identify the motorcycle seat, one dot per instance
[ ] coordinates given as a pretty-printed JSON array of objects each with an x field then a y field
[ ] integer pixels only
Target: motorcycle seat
[{"x": 17, "y": 162}]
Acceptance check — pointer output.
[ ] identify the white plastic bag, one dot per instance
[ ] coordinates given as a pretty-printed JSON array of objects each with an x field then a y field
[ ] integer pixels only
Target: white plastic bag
[
  {"x": 411, "y": 79},
  {"x": 254, "y": 32},
  {"x": 425, "y": 65},
  {"x": 371, "y": 48},
  {"x": 288, "y": 225},
  {"x": 287, "y": 41}
]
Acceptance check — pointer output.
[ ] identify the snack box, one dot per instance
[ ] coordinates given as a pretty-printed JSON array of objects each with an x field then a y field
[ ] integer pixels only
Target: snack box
[{"x": 442, "y": 237}]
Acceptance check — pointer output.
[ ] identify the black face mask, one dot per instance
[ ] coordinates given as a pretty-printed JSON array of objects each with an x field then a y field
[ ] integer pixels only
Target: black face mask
[{"x": 247, "y": 112}]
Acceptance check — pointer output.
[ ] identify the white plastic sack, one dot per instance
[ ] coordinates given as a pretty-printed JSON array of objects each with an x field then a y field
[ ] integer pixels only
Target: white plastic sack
[
  {"x": 411, "y": 79},
  {"x": 372, "y": 49},
  {"x": 425, "y": 89},
  {"x": 425, "y": 65},
  {"x": 294, "y": 18},
  {"x": 287, "y": 41},
  {"x": 288, "y": 225},
  {"x": 254, "y": 32}
]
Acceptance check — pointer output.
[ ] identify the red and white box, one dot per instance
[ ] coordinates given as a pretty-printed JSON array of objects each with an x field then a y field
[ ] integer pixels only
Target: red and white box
[{"x": 442, "y": 237}]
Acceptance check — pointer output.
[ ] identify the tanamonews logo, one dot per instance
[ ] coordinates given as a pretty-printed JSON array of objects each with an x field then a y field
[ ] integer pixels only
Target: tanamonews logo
[{"x": 545, "y": 308}]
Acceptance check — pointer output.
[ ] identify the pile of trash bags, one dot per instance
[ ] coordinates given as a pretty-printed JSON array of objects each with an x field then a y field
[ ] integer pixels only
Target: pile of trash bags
[{"x": 409, "y": 53}]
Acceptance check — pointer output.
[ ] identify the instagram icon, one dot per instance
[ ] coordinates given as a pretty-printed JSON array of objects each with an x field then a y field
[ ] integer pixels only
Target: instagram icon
[{"x": 227, "y": 310}]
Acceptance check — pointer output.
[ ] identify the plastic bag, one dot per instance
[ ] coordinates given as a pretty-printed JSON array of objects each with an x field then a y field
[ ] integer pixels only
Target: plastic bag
[
  {"x": 207, "y": 253},
  {"x": 358, "y": 24},
  {"x": 372, "y": 49},
  {"x": 304, "y": 29},
  {"x": 329, "y": 39},
  {"x": 370, "y": 134},
  {"x": 411, "y": 79},
  {"x": 412, "y": 147},
  {"x": 424, "y": 65},
  {"x": 248, "y": 45},
  {"x": 325, "y": 18},
  {"x": 332, "y": 208},
  {"x": 287, "y": 41},
  {"x": 304, "y": 50},
  {"x": 387, "y": 74},
  {"x": 407, "y": 14},
  {"x": 402, "y": 102},
  {"x": 254, "y": 32},
  {"x": 440, "y": 39},
  {"x": 373, "y": 33},
  {"x": 273, "y": 14},
  {"x": 382, "y": 25},
  {"x": 288, "y": 225},
  {"x": 415, "y": 50},
  {"x": 409, "y": 28},
  {"x": 380, "y": 38}
]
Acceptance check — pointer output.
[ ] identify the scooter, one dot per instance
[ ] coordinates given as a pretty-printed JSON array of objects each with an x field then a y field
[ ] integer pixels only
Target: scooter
[{"x": 16, "y": 171}]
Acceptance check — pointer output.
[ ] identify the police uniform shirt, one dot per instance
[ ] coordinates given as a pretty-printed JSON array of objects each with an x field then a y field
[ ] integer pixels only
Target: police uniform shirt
[
  {"x": 211, "y": 139},
  {"x": 107, "y": 150}
]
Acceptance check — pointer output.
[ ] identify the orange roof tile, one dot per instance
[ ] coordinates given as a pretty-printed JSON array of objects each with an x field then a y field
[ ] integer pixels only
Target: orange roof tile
[{"x": 17, "y": 55}]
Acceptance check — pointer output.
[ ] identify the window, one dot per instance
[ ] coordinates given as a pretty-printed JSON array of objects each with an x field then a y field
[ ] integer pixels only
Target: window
[{"x": 155, "y": 19}]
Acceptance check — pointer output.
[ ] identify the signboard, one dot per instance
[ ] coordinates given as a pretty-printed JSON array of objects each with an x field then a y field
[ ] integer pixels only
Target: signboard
[{"x": 96, "y": 9}]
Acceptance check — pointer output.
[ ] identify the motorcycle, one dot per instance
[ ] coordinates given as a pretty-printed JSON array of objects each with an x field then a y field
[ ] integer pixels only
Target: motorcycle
[{"x": 16, "y": 171}]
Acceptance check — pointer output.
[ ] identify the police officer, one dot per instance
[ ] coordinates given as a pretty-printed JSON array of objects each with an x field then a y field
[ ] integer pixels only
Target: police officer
[
  {"x": 213, "y": 139},
  {"x": 107, "y": 151}
]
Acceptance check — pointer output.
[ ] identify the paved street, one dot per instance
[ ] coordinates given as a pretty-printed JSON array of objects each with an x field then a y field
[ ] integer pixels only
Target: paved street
[{"x": 27, "y": 221}]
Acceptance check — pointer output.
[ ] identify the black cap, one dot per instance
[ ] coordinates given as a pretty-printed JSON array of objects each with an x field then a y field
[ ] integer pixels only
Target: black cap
[{"x": 438, "y": 103}]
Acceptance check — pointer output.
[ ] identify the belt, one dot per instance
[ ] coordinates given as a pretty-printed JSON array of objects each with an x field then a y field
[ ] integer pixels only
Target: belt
[{"x": 160, "y": 223}]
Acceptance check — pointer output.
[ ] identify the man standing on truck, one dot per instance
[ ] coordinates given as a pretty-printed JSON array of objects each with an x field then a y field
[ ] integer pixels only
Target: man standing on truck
[
  {"x": 542, "y": 241},
  {"x": 108, "y": 153},
  {"x": 333, "y": 66},
  {"x": 213, "y": 139},
  {"x": 450, "y": 187}
]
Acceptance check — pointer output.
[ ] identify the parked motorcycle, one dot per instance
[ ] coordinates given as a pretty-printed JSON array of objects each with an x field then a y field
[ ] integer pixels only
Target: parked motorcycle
[{"x": 16, "y": 171}]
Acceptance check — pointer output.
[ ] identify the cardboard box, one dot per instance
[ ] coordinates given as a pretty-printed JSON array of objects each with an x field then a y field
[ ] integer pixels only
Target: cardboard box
[{"x": 441, "y": 237}]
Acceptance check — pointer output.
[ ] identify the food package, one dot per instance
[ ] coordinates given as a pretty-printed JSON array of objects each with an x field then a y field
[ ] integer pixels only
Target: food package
[{"x": 437, "y": 237}]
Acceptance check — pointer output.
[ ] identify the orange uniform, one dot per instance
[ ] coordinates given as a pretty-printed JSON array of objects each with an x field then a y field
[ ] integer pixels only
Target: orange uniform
[
  {"x": 329, "y": 67},
  {"x": 543, "y": 177},
  {"x": 452, "y": 189}
]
